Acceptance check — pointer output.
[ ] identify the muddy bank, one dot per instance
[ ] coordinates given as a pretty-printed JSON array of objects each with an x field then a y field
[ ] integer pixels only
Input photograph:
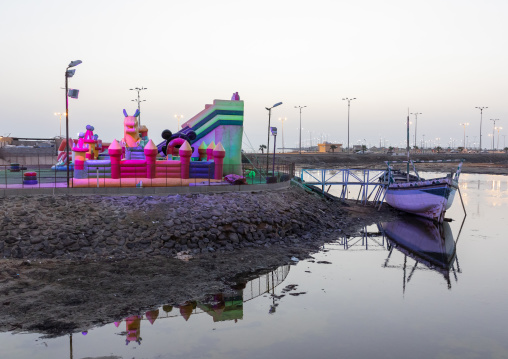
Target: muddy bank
[{"x": 99, "y": 259}]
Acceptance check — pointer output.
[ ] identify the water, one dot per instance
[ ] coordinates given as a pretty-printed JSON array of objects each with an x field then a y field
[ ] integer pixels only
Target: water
[{"x": 359, "y": 302}]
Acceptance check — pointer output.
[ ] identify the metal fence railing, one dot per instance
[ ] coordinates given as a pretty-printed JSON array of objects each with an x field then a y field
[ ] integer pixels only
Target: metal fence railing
[{"x": 17, "y": 175}]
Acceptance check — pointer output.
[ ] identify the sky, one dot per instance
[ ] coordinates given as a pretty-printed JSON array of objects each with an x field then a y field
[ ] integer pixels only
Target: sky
[{"x": 439, "y": 58}]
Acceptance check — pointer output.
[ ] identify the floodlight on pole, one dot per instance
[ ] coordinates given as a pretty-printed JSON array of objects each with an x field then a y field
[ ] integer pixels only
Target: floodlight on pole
[
  {"x": 348, "y": 109},
  {"x": 481, "y": 119},
  {"x": 300, "y": 107},
  {"x": 268, "y": 141},
  {"x": 138, "y": 100},
  {"x": 68, "y": 73}
]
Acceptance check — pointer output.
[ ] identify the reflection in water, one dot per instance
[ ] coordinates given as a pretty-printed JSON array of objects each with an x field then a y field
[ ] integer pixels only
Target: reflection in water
[
  {"x": 221, "y": 306},
  {"x": 425, "y": 242},
  {"x": 430, "y": 245}
]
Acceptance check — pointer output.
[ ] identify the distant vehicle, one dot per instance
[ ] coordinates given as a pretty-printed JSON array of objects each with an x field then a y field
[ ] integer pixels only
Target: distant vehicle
[{"x": 454, "y": 151}]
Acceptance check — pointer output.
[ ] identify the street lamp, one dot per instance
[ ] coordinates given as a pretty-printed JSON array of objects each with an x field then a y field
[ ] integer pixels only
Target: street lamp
[
  {"x": 60, "y": 114},
  {"x": 282, "y": 119},
  {"x": 348, "y": 108},
  {"x": 464, "y": 125},
  {"x": 139, "y": 89},
  {"x": 178, "y": 117},
  {"x": 300, "y": 107},
  {"x": 68, "y": 73},
  {"x": 498, "y": 128},
  {"x": 268, "y": 142},
  {"x": 493, "y": 130},
  {"x": 416, "y": 123},
  {"x": 481, "y": 118}
]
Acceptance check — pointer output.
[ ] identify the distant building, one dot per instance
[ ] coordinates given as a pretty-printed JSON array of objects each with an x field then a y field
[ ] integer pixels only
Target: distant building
[{"x": 326, "y": 147}]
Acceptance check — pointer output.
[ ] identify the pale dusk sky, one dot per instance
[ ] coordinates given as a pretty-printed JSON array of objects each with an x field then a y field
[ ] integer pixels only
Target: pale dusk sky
[{"x": 438, "y": 58}]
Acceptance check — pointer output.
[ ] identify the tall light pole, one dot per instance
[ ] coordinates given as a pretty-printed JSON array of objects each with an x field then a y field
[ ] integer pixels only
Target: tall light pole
[
  {"x": 282, "y": 119},
  {"x": 300, "y": 107},
  {"x": 493, "y": 130},
  {"x": 268, "y": 141},
  {"x": 60, "y": 114},
  {"x": 416, "y": 124},
  {"x": 138, "y": 100},
  {"x": 464, "y": 125},
  {"x": 498, "y": 128},
  {"x": 68, "y": 73},
  {"x": 481, "y": 119},
  {"x": 348, "y": 108},
  {"x": 178, "y": 117}
]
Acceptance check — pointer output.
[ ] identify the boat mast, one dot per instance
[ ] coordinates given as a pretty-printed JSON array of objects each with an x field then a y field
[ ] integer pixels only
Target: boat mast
[{"x": 407, "y": 145}]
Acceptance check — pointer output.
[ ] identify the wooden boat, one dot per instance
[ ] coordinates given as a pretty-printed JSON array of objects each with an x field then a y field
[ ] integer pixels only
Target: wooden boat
[
  {"x": 429, "y": 198},
  {"x": 409, "y": 193}
]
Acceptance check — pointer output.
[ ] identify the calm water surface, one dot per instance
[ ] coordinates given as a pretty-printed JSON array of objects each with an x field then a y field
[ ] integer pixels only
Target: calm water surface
[{"x": 415, "y": 292}]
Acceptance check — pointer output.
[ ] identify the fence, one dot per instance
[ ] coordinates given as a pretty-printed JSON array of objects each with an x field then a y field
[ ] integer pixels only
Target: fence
[{"x": 19, "y": 176}]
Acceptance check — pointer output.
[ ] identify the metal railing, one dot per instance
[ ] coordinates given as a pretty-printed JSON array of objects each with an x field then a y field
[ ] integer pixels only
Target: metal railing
[{"x": 13, "y": 176}]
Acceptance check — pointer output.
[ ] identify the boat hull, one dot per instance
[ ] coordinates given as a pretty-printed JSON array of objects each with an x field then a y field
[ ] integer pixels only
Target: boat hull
[{"x": 429, "y": 199}]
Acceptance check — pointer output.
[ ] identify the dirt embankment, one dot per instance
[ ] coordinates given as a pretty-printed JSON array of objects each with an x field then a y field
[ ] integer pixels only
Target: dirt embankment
[{"x": 95, "y": 260}]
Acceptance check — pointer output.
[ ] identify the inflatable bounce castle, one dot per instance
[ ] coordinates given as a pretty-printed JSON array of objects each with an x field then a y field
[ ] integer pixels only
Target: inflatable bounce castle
[{"x": 206, "y": 148}]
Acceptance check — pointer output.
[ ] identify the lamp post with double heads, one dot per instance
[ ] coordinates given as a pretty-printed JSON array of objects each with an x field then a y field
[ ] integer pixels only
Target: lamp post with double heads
[
  {"x": 464, "y": 125},
  {"x": 178, "y": 117},
  {"x": 300, "y": 107},
  {"x": 498, "y": 128},
  {"x": 268, "y": 141},
  {"x": 68, "y": 73},
  {"x": 348, "y": 108},
  {"x": 416, "y": 125},
  {"x": 60, "y": 114},
  {"x": 493, "y": 130},
  {"x": 138, "y": 100},
  {"x": 481, "y": 119}
]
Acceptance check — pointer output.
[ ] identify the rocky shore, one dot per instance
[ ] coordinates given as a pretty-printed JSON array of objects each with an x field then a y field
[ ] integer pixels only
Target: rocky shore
[
  {"x": 87, "y": 261},
  {"x": 83, "y": 227}
]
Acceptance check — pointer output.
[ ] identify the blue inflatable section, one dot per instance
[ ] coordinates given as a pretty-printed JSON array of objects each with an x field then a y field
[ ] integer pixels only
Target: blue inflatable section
[{"x": 202, "y": 169}]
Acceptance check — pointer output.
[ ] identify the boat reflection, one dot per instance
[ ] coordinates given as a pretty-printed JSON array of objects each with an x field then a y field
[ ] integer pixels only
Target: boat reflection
[
  {"x": 220, "y": 307},
  {"x": 426, "y": 242}
]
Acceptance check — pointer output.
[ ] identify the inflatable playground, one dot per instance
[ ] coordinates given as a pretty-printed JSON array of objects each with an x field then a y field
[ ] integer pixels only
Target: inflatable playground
[{"x": 204, "y": 150}]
